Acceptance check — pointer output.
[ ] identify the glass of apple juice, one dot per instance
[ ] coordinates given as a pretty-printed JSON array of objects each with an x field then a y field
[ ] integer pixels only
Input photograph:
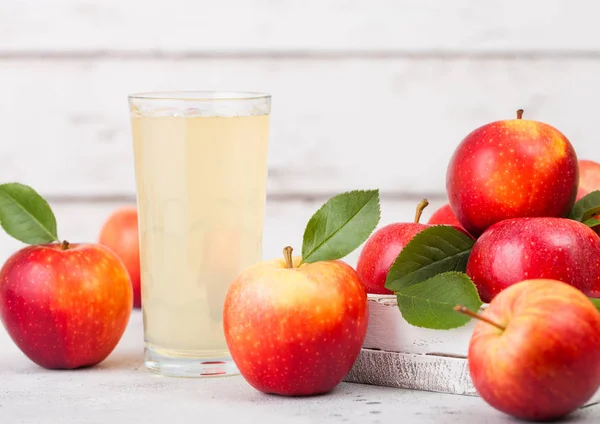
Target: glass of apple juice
[{"x": 200, "y": 170}]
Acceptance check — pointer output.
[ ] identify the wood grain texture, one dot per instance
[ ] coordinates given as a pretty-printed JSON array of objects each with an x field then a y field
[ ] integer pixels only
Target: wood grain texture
[
  {"x": 288, "y": 26},
  {"x": 336, "y": 124},
  {"x": 412, "y": 371},
  {"x": 418, "y": 372}
]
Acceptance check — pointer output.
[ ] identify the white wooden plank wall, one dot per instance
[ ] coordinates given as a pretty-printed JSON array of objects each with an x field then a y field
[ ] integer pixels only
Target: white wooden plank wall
[{"x": 366, "y": 94}]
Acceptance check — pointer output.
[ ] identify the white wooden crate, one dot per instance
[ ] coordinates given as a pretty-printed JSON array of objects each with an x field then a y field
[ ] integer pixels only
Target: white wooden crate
[{"x": 397, "y": 354}]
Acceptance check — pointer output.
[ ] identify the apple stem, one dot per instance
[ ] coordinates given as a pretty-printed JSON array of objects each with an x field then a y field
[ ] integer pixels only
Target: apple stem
[
  {"x": 64, "y": 245},
  {"x": 422, "y": 205},
  {"x": 519, "y": 113},
  {"x": 466, "y": 311},
  {"x": 287, "y": 254}
]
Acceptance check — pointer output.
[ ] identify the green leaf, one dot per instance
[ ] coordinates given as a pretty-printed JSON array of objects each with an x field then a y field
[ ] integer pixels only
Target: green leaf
[
  {"x": 592, "y": 222},
  {"x": 586, "y": 207},
  {"x": 25, "y": 215},
  {"x": 342, "y": 224},
  {"x": 435, "y": 250},
  {"x": 596, "y": 303},
  {"x": 430, "y": 303}
]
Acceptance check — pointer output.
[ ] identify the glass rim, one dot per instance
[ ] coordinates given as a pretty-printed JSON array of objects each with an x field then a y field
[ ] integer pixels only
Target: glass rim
[{"x": 199, "y": 95}]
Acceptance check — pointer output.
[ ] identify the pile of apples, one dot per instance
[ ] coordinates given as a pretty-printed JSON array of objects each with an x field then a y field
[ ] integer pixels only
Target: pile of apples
[{"x": 511, "y": 184}]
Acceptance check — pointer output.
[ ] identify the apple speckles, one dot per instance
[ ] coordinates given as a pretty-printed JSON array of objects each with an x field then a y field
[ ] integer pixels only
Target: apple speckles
[
  {"x": 57, "y": 304},
  {"x": 511, "y": 251},
  {"x": 530, "y": 170},
  {"x": 300, "y": 323}
]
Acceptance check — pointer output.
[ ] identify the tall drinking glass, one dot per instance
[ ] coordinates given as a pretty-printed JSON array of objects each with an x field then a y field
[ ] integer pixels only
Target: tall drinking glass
[{"x": 201, "y": 170}]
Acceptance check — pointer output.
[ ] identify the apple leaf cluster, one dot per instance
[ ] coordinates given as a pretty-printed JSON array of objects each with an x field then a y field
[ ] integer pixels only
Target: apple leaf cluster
[{"x": 428, "y": 278}]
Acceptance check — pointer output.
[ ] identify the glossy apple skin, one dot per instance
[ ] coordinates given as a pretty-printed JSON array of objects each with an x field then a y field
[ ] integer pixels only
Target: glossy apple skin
[
  {"x": 511, "y": 169},
  {"x": 65, "y": 309},
  {"x": 444, "y": 216},
  {"x": 546, "y": 363},
  {"x": 120, "y": 233},
  {"x": 589, "y": 180},
  {"x": 380, "y": 251},
  {"x": 295, "y": 332},
  {"x": 525, "y": 248}
]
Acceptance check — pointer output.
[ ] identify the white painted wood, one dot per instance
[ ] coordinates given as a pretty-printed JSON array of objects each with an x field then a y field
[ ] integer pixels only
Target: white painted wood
[
  {"x": 389, "y": 331},
  {"x": 418, "y": 372},
  {"x": 284, "y": 223},
  {"x": 336, "y": 125},
  {"x": 288, "y": 25},
  {"x": 412, "y": 371}
]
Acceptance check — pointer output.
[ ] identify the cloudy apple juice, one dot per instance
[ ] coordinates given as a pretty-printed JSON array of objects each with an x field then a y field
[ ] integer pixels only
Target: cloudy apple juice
[{"x": 201, "y": 171}]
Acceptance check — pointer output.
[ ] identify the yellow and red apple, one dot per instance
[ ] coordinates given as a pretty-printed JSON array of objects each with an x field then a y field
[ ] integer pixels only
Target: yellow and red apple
[
  {"x": 537, "y": 354},
  {"x": 295, "y": 330}
]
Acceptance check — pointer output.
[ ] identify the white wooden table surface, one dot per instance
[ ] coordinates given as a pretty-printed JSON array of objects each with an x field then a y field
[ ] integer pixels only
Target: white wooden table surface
[{"x": 120, "y": 390}]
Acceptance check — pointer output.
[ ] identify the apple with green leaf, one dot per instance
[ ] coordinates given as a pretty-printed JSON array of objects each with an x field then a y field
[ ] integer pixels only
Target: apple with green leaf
[
  {"x": 294, "y": 326},
  {"x": 510, "y": 169},
  {"x": 65, "y": 305},
  {"x": 382, "y": 248},
  {"x": 535, "y": 353},
  {"x": 589, "y": 182}
]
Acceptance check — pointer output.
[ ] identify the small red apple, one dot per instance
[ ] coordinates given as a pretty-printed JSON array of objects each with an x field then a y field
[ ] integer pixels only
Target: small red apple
[
  {"x": 295, "y": 330},
  {"x": 526, "y": 248},
  {"x": 65, "y": 306},
  {"x": 589, "y": 177},
  {"x": 510, "y": 169},
  {"x": 120, "y": 233},
  {"x": 444, "y": 216},
  {"x": 381, "y": 250},
  {"x": 537, "y": 354}
]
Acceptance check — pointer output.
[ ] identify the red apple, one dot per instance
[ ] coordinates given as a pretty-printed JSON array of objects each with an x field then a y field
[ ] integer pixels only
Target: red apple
[
  {"x": 381, "y": 250},
  {"x": 120, "y": 233},
  {"x": 295, "y": 330},
  {"x": 541, "y": 358},
  {"x": 589, "y": 180},
  {"x": 65, "y": 306},
  {"x": 589, "y": 177},
  {"x": 526, "y": 248},
  {"x": 444, "y": 216},
  {"x": 510, "y": 169}
]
